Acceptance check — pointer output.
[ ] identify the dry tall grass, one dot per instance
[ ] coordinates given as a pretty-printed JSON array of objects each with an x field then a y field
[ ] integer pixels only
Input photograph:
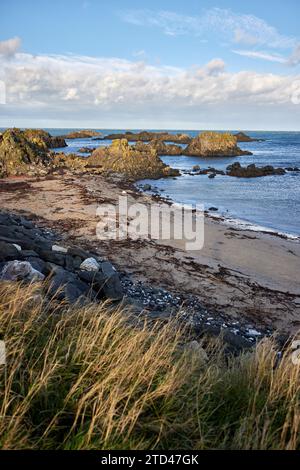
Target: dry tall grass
[{"x": 86, "y": 378}]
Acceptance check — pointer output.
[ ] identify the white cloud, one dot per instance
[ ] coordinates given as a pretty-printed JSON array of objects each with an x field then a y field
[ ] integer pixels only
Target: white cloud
[
  {"x": 261, "y": 55},
  {"x": 9, "y": 47},
  {"x": 234, "y": 27},
  {"x": 83, "y": 88}
]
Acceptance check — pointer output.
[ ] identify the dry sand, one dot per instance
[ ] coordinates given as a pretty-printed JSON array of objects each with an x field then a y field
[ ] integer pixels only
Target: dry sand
[{"x": 238, "y": 272}]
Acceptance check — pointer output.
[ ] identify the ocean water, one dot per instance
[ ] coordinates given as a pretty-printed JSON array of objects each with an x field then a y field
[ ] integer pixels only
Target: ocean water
[{"x": 270, "y": 202}]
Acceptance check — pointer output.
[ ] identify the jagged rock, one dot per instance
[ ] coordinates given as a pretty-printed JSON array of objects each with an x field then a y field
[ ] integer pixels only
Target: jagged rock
[
  {"x": 84, "y": 133},
  {"x": 160, "y": 146},
  {"x": 90, "y": 264},
  {"x": 20, "y": 271},
  {"x": 77, "y": 251},
  {"x": 252, "y": 171},
  {"x": 214, "y": 144},
  {"x": 51, "y": 257},
  {"x": 41, "y": 137},
  {"x": 196, "y": 168},
  {"x": 19, "y": 155},
  {"x": 65, "y": 285},
  {"x": 119, "y": 157},
  {"x": 70, "y": 161},
  {"x": 146, "y": 136},
  {"x": 86, "y": 149}
]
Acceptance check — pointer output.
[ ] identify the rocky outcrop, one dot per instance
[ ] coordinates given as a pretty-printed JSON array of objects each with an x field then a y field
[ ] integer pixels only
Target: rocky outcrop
[
  {"x": 160, "y": 146},
  {"x": 41, "y": 137},
  {"x": 20, "y": 155},
  {"x": 242, "y": 137},
  {"x": 67, "y": 273},
  {"x": 134, "y": 164},
  {"x": 146, "y": 136},
  {"x": 86, "y": 149},
  {"x": 252, "y": 171},
  {"x": 214, "y": 144},
  {"x": 84, "y": 133}
]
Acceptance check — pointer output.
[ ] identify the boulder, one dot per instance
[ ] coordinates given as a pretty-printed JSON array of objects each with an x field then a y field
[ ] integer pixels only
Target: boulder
[
  {"x": 160, "y": 146},
  {"x": 242, "y": 137},
  {"x": 252, "y": 171},
  {"x": 134, "y": 164},
  {"x": 90, "y": 264},
  {"x": 20, "y": 155},
  {"x": 112, "y": 287},
  {"x": 20, "y": 271},
  {"x": 214, "y": 144},
  {"x": 64, "y": 285},
  {"x": 86, "y": 149},
  {"x": 8, "y": 251}
]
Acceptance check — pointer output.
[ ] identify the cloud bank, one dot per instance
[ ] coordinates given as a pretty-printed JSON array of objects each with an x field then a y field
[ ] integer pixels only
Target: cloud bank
[{"x": 102, "y": 90}]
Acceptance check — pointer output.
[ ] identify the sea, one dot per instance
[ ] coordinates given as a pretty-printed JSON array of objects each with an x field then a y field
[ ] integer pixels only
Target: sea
[{"x": 270, "y": 203}]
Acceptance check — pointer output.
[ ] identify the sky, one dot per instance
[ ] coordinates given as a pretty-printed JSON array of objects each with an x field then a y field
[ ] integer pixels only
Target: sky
[{"x": 197, "y": 64}]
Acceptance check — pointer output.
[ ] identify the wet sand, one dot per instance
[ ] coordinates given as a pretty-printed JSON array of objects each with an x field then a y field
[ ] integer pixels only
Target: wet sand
[{"x": 238, "y": 272}]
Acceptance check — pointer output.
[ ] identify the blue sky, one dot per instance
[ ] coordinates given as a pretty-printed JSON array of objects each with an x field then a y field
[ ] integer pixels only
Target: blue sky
[{"x": 169, "y": 64}]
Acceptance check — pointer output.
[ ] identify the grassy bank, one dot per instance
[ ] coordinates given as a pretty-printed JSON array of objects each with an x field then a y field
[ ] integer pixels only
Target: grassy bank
[{"x": 84, "y": 378}]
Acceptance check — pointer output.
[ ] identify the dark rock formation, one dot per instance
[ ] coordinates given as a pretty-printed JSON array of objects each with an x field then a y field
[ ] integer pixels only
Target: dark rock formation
[
  {"x": 214, "y": 144},
  {"x": 242, "y": 137},
  {"x": 40, "y": 137},
  {"x": 30, "y": 254},
  {"x": 20, "y": 155},
  {"x": 84, "y": 133},
  {"x": 160, "y": 146},
  {"x": 252, "y": 171},
  {"x": 134, "y": 164},
  {"x": 146, "y": 136},
  {"x": 86, "y": 149}
]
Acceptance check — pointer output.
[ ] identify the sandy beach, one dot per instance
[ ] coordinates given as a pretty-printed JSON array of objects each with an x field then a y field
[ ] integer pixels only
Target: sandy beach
[{"x": 241, "y": 273}]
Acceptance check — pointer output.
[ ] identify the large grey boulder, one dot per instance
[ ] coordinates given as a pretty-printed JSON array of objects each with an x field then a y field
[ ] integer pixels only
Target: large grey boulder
[
  {"x": 8, "y": 251},
  {"x": 20, "y": 271},
  {"x": 112, "y": 287},
  {"x": 90, "y": 264},
  {"x": 65, "y": 285}
]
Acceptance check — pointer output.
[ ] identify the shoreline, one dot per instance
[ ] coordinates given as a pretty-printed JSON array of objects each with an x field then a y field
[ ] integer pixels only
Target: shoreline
[
  {"x": 233, "y": 222},
  {"x": 246, "y": 276}
]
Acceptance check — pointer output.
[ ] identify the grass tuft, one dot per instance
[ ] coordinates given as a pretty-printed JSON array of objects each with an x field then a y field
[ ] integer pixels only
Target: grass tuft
[{"x": 86, "y": 377}]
